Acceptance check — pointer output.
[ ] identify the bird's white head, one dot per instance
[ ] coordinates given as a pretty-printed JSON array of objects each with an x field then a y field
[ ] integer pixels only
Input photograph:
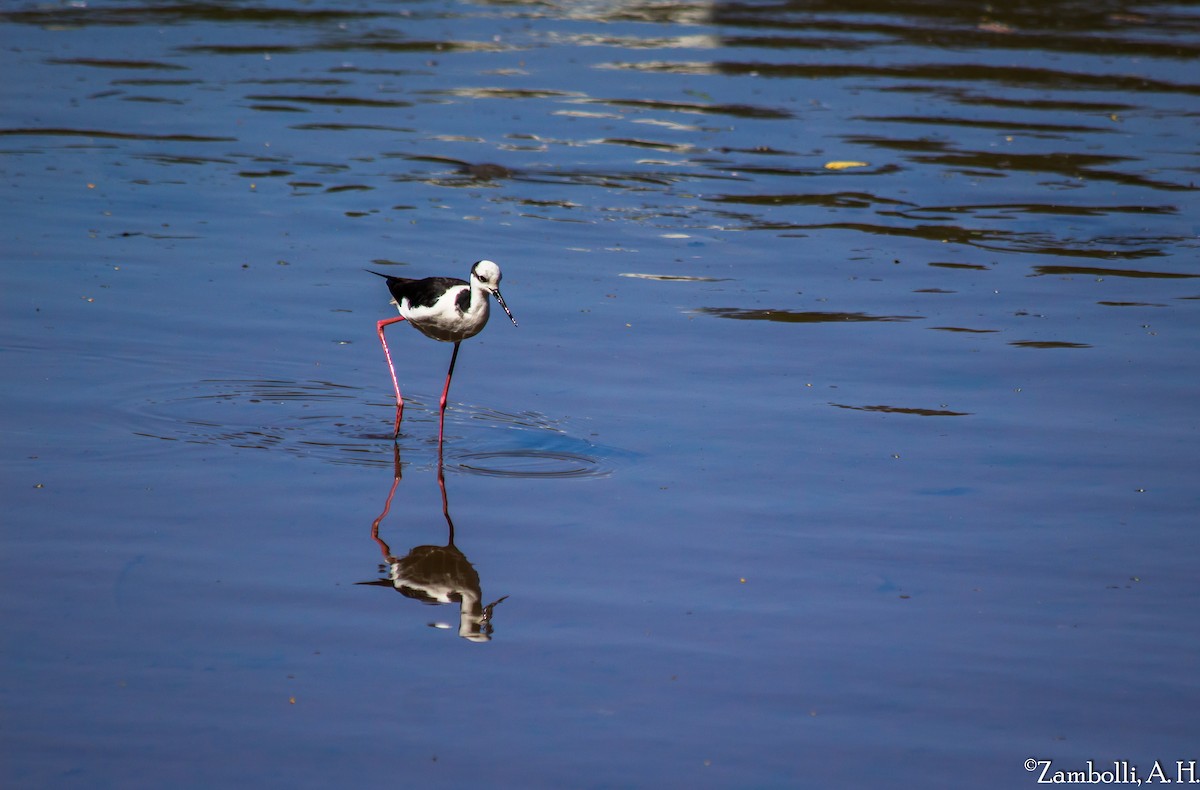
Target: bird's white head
[{"x": 486, "y": 274}]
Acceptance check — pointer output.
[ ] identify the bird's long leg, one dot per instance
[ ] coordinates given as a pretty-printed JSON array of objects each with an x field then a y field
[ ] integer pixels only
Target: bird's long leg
[
  {"x": 446, "y": 391},
  {"x": 387, "y": 353}
]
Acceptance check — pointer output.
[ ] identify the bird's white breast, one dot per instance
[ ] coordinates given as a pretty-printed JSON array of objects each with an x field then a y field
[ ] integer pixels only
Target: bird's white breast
[{"x": 443, "y": 320}]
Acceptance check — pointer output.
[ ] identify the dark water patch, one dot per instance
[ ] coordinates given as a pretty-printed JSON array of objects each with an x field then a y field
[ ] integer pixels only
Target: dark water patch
[
  {"x": 826, "y": 200},
  {"x": 462, "y": 173},
  {"x": 735, "y": 110},
  {"x": 102, "y": 63},
  {"x": 350, "y": 127},
  {"x": 1052, "y": 27},
  {"x": 821, "y": 170},
  {"x": 259, "y": 50},
  {"x": 127, "y": 234},
  {"x": 1100, "y": 248},
  {"x": 172, "y": 160},
  {"x": 948, "y": 234},
  {"x": 543, "y": 216},
  {"x": 144, "y": 82},
  {"x": 273, "y": 173},
  {"x": 678, "y": 148},
  {"x": 1074, "y": 166},
  {"x": 1048, "y": 344},
  {"x": 457, "y": 164},
  {"x": 834, "y": 41},
  {"x": 385, "y": 46},
  {"x": 1006, "y": 76},
  {"x": 335, "y": 101},
  {"x": 919, "y": 144},
  {"x": 1052, "y": 129},
  {"x": 486, "y": 171},
  {"x": 801, "y": 317},
  {"x": 1039, "y": 243},
  {"x": 1095, "y": 271},
  {"x": 1105, "y": 106},
  {"x": 615, "y": 179},
  {"x": 86, "y": 15},
  {"x": 324, "y": 168},
  {"x": 535, "y": 203},
  {"x": 674, "y": 277},
  {"x": 1051, "y": 209},
  {"x": 759, "y": 150},
  {"x": 275, "y": 108},
  {"x": 154, "y": 100},
  {"x": 969, "y": 266},
  {"x": 110, "y": 135},
  {"x": 350, "y": 68},
  {"x": 307, "y": 81},
  {"x": 964, "y": 329},
  {"x": 389, "y": 44},
  {"x": 905, "y": 410},
  {"x": 502, "y": 93}
]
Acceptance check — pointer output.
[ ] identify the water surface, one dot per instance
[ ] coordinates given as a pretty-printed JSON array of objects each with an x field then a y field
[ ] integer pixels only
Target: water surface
[{"x": 849, "y": 434}]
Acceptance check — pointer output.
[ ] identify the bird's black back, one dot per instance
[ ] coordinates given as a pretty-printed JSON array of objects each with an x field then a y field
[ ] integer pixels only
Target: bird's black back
[{"x": 420, "y": 293}]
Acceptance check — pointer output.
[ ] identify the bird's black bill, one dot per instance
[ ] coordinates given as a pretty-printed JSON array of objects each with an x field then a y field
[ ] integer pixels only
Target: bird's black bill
[{"x": 500, "y": 299}]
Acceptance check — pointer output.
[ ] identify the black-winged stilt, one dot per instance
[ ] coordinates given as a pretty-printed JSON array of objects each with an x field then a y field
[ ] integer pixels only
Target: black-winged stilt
[{"x": 443, "y": 308}]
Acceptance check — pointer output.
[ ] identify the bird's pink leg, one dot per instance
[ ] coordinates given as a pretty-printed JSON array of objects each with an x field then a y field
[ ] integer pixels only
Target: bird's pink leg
[
  {"x": 387, "y": 353},
  {"x": 445, "y": 392}
]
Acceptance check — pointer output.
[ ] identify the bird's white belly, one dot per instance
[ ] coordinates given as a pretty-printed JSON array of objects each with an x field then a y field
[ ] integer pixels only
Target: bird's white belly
[{"x": 449, "y": 326}]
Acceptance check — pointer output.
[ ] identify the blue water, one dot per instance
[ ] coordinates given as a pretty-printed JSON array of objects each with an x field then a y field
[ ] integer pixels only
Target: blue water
[{"x": 848, "y": 436}]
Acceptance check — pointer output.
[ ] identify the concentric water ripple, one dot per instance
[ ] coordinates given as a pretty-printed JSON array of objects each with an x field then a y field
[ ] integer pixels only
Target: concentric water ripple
[
  {"x": 336, "y": 423},
  {"x": 530, "y": 463}
]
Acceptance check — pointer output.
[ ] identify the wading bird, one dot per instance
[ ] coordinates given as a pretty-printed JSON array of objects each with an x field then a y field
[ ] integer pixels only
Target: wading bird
[{"x": 443, "y": 308}]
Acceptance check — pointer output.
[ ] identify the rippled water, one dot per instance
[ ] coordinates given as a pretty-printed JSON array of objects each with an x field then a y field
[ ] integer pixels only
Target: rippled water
[{"x": 848, "y": 437}]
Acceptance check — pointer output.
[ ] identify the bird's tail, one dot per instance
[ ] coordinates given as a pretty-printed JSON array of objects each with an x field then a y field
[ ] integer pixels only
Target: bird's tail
[{"x": 392, "y": 280}]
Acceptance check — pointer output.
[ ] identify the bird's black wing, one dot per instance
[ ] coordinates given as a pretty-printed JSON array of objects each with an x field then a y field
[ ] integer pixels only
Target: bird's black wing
[
  {"x": 419, "y": 293},
  {"x": 422, "y": 293}
]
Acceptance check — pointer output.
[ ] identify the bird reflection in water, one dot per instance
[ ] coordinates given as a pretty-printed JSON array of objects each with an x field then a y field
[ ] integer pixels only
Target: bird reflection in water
[{"x": 436, "y": 574}]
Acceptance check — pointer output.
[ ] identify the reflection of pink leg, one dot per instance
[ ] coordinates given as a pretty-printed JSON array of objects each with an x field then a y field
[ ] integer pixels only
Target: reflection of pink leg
[
  {"x": 445, "y": 501},
  {"x": 399, "y": 400},
  {"x": 387, "y": 552},
  {"x": 445, "y": 392}
]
